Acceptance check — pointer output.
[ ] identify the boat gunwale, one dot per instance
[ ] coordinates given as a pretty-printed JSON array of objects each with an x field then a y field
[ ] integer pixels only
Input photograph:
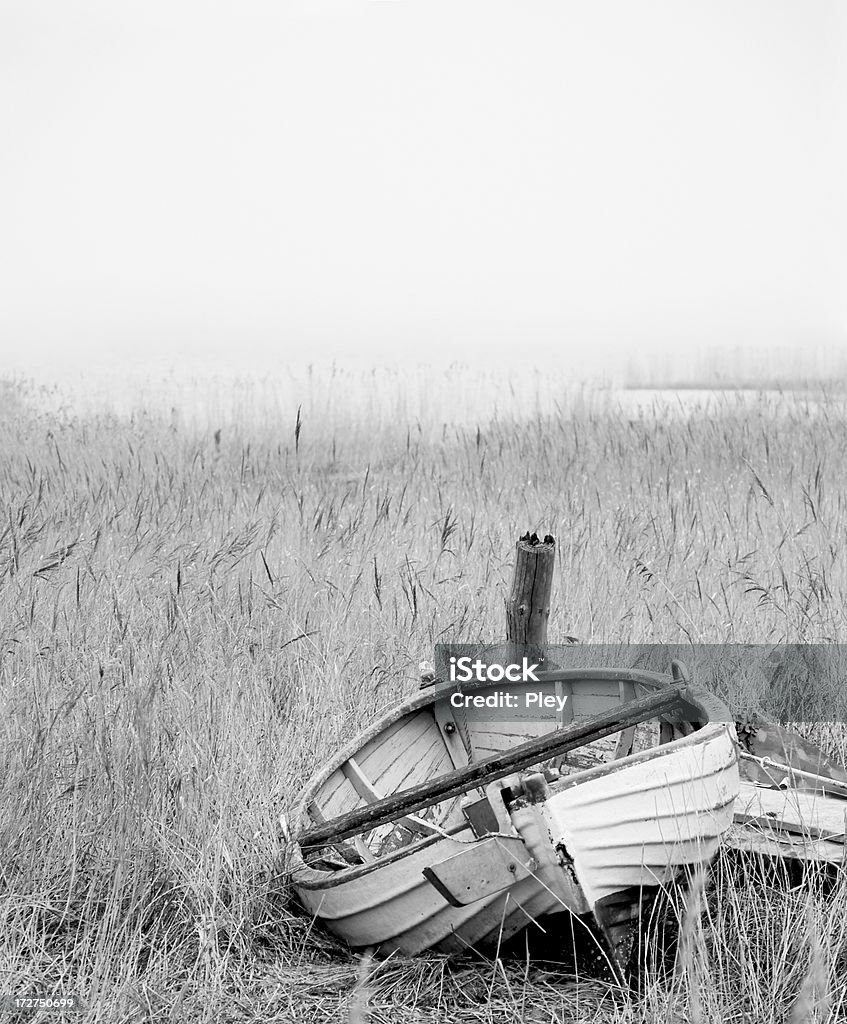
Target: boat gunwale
[
  {"x": 576, "y": 779},
  {"x": 713, "y": 711}
]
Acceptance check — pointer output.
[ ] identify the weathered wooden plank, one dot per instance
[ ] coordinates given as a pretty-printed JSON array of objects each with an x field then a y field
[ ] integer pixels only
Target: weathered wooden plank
[
  {"x": 366, "y": 790},
  {"x": 493, "y": 739},
  {"x": 360, "y": 782},
  {"x": 421, "y": 764},
  {"x": 386, "y": 760},
  {"x": 491, "y": 768},
  {"x": 795, "y": 811},
  {"x": 383, "y": 754},
  {"x": 785, "y": 845},
  {"x": 424, "y": 756},
  {"x": 624, "y": 744},
  {"x": 337, "y": 795}
]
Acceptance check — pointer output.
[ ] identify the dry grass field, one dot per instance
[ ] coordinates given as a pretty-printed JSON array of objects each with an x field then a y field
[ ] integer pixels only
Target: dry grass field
[{"x": 192, "y": 618}]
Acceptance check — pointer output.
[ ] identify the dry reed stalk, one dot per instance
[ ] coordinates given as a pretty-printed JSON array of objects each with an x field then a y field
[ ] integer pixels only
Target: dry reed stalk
[
  {"x": 689, "y": 951},
  {"x": 813, "y": 999},
  {"x": 359, "y": 1009}
]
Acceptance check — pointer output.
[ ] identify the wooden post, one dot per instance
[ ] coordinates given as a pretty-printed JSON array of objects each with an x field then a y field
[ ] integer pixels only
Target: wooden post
[{"x": 528, "y": 607}]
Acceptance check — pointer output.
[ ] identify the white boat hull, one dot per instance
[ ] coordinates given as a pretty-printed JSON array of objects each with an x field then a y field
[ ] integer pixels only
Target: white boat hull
[{"x": 636, "y": 821}]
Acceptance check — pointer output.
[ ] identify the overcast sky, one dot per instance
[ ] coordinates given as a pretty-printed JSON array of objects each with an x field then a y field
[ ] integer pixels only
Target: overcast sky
[{"x": 189, "y": 180}]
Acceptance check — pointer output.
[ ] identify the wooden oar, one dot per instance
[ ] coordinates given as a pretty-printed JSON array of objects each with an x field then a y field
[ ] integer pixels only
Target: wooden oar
[{"x": 480, "y": 773}]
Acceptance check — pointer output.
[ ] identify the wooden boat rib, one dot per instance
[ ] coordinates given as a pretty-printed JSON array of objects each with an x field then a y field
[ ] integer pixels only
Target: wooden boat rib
[{"x": 391, "y": 854}]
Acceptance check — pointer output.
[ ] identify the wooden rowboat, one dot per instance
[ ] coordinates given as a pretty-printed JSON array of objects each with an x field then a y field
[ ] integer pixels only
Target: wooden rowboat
[
  {"x": 793, "y": 799},
  {"x": 442, "y": 829}
]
